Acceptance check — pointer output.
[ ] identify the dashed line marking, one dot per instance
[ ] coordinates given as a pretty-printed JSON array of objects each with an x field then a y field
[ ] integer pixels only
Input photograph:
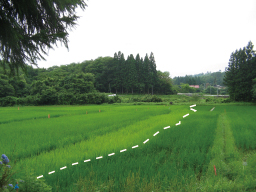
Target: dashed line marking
[
  {"x": 100, "y": 157},
  {"x": 193, "y": 110},
  {"x": 63, "y": 168},
  {"x": 167, "y": 127},
  {"x": 156, "y": 133},
  {"x": 186, "y": 115}
]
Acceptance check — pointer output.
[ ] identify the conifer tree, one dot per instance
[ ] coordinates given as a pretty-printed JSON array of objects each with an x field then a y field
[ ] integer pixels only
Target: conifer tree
[
  {"x": 122, "y": 71},
  {"x": 146, "y": 71},
  {"x": 139, "y": 68},
  {"x": 240, "y": 73},
  {"x": 116, "y": 75},
  {"x": 152, "y": 71},
  {"x": 29, "y": 28},
  {"x": 131, "y": 73},
  {"x": 230, "y": 77}
]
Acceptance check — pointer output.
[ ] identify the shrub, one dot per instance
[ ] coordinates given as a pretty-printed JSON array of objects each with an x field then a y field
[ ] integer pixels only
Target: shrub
[
  {"x": 226, "y": 100},
  {"x": 8, "y": 101},
  {"x": 66, "y": 98},
  {"x": 96, "y": 98},
  {"x": 136, "y": 99},
  {"x": 147, "y": 98},
  {"x": 156, "y": 99},
  {"x": 195, "y": 97},
  {"x": 5, "y": 173},
  {"x": 114, "y": 99},
  {"x": 21, "y": 101},
  {"x": 209, "y": 100},
  {"x": 30, "y": 183}
]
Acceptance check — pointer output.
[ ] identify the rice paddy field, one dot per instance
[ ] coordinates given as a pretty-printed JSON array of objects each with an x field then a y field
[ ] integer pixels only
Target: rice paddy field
[{"x": 132, "y": 147}]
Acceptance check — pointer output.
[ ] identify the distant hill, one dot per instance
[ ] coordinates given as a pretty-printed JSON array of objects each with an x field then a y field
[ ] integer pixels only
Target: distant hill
[{"x": 212, "y": 78}]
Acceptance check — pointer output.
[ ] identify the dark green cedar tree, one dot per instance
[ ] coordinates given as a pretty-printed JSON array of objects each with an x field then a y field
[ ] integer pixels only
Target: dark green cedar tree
[
  {"x": 30, "y": 27},
  {"x": 240, "y": 74}
]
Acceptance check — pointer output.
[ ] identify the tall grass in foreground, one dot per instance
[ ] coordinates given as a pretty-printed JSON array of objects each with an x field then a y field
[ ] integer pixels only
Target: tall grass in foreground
[
  {"x": 32, "y": 137},
  {"x": 169, "y": 161},
  {"x": 243, "y": 121},
  {"x": 12, "y": 114},
  {"x": 235, "y": 168},
  {"x": 175, "y": 159},
  {"x": 125, "y": 136}
]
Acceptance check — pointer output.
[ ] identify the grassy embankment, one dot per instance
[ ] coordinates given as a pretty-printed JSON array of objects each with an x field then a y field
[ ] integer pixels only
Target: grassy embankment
[{"x": 179, "y": 99}]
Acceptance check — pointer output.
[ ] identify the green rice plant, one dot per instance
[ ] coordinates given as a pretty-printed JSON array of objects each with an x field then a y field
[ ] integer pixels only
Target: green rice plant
[
  {"x": 173, "y": 153},
  {"x": 13, "y": 114},
  {"x": 179, "y": 158},
  {"x": 233, "y": 174},
  {"x": 242, "y": 120},
  {"x": 38, "y": 135},
  {"x": 62, "y": 156}
]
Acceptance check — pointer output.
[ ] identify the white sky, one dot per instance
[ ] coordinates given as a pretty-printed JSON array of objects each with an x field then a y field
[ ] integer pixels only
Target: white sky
[{"x": 186, "y": 36}]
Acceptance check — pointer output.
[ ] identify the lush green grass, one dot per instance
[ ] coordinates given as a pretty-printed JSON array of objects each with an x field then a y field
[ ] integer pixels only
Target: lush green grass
[
  {"x": 242, "y": 121},
  {"x": 56, "y": 142},
  {"x": 235, "y": 169},
  {"x": 42, "y": 134},
  {"x": 180, "y": 158},
  {"x": 175, "y": 155}
]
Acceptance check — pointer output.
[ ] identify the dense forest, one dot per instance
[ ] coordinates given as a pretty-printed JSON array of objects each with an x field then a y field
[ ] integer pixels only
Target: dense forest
[
  {"x": 82, "y": 83},
  {"x": 131, "y": 75}
]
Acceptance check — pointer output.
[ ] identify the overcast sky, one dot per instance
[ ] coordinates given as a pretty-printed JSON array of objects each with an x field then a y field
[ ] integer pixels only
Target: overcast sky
[{"x": 186, "y": 36}]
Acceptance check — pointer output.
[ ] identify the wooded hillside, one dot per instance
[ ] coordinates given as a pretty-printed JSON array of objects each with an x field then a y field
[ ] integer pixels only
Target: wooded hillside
[{"x": 81, "y": 83}]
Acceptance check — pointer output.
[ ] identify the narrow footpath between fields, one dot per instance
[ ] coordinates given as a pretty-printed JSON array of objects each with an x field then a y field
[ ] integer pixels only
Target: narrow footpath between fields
[{"x": 226, "y": 161}]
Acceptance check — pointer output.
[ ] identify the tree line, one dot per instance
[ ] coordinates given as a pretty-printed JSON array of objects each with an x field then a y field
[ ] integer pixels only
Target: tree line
[
  {"x": 209, "y": 83},
  {"x": 131, "y": 75},
  {"x": 240, "y": 76},
  {"x": 215, "y": 78},
  {"x": 83, "y": 83}
]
